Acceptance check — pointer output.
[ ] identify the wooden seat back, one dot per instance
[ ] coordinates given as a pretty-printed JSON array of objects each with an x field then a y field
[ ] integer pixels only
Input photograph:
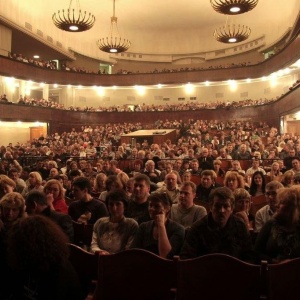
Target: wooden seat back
[
  {"x": 283, "y": 280},
  {"x": 83, "y": 234},
  {"x": 86, "y": 267},
  {"x": 135, "y": 274},
  {"x": 257, "y": 203},
  {"x": 217, "y": 276}
]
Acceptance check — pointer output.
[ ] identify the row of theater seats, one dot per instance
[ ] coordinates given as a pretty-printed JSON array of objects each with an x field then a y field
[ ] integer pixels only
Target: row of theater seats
[{"x": 138, "y": 274}]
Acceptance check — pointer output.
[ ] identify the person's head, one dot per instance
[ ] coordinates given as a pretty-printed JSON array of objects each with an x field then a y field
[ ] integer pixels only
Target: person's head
[
  {"x": 150, "y": 165},
  {"x": 35, "y": 178},
  {"x": 292, "y": 152},
  {"x": 36, "y": 244},
  {"x": 296, "y": 178},
  {"x": 187, "y": 194},
  {"x": 113, "y": 183},
  {"x": 81, "y": 186},
  {"x": 221, "y": 201},
  {"x": 275, "y": 166},
  {"x": 171, "y": 181},
  {"x": 233, "y": 180},
  {"x": 194, "y": 164},
  {"x": 287, "y": 178},
  {"x": 217, "y": 164},
  {"x": 123, "y": 178},
  {"x": 296, "y": 164},
  {"x": 204, "y": 152},
  {"x": 271, "y": 194},
  {"x": 100, "y": 181},
  {"x": 208, "y": 178},
  {"x": 54, "y": 172},
  {"x": 12, "y": 207},
  {"x": 129, "y": 186},
  {"x": 25, "y": 173},
  {"x": 7, "y": 185},
  {"x": 242, "y": 200},
  {"x": 13, "y": 174},
  {"x": 74, "y": 174},
  {"x": 116, "y": 202},
  {"x": 137, "y": 165},
  {"x": 159, "y": 203},
  {"x": 288, "y": 211},
  {"x": 54, "y": 187},
  {"x": 235, "y": 164},
  {"x": 186, "y": 176},
  {"x": 258, "y": 180},
  {"x": 36, "y": 202},
  {"x": 141, "y": 187}
]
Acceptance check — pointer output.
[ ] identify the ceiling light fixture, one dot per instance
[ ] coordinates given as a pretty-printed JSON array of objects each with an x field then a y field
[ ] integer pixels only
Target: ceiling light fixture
[
  {"x": 232, "y": 33},
  {"x": 233, "y": 7},
  {"x": 113, "y": 43},
  {"x": 73, "y": 19}
]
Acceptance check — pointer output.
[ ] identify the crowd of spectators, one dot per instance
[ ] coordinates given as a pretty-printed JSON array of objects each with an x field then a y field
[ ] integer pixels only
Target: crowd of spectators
[
  {"x": 195, "y": 105},
  {"x": 138, "y": 195}
]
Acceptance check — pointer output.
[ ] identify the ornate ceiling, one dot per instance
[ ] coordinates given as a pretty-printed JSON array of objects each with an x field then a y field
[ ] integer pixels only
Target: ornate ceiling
[{"x": 154, "y": 27}]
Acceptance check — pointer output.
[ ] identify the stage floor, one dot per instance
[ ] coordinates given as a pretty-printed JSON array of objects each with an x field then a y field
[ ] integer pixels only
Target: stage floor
[{"x": 156, "y": 136}]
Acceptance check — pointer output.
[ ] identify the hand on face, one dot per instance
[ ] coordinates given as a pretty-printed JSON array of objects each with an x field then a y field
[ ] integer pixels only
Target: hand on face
[{"x": 160, "y": 219}]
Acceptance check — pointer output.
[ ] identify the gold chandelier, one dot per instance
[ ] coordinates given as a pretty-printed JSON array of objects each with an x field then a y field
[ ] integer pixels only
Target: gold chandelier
[
  {"x": 232, "y": 33},
  {"x": 233, "y": 7},
  {"x": 73, "y": 19},
  {"x": 113, "y": 43}
]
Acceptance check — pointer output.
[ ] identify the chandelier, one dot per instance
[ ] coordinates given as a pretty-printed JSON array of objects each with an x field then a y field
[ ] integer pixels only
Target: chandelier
[
  {"x": 113, "y": 43},
  {"x": 231, "y": 33},
  {"x": 233, "y": 7},
  {"x": 73, "y": 19}
]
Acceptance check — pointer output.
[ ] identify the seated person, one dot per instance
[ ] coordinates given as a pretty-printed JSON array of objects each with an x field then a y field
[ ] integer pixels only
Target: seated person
[
  {"x": 265, "y": 214},
  {"x": 170, "y": 187},
  {"x": 55, "y": 196},
  {"x": 220, "y": 231},
  {"x": 85, "y": 208},
  {"x": 207, "y": 184},
  {"x": 161, "y": 235},
  {"x": 279, "y": 238},
  {"x": 37, "y": 203},
  {"x": 38, "y": 257},
  {"x": 138, "y": 204},
  {"x": 186, "y": 212},
  {"x": 242, "y": 207},
  {"x": 114, "y": 233}
]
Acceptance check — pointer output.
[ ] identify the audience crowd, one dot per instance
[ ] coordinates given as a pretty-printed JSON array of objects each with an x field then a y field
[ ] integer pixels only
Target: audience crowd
[{"x": 188, "y": 197}]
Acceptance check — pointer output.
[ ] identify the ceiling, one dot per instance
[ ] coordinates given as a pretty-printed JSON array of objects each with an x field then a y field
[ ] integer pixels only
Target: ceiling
[{"x": 153, "y": 26}]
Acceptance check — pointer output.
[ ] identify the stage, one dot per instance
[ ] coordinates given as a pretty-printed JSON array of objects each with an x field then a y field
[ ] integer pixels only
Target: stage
[{"x": 153, "y": 136}]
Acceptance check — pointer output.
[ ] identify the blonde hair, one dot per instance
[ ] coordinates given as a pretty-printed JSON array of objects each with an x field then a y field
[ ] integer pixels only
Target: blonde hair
[
  {"x": 13, "y": 200},
  {"x": 37, "y": 176},
  {"x": 60, "y": 187}
]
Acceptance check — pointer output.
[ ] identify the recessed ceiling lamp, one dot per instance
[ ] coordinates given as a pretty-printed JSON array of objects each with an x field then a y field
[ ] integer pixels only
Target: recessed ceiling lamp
[
  {"x": 113, "y": 43},
  {"x": 232, "y": 33},
  {"x": 73, "y": 19},
  {"x": 233, "y": 7}
]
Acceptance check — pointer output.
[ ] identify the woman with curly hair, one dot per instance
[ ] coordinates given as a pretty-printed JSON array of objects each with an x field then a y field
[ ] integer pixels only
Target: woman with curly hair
[{"x": 38, "y": 258}]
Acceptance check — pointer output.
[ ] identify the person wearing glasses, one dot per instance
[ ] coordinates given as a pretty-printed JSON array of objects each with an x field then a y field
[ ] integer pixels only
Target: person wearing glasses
[{"x": 266, "y": 212}]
